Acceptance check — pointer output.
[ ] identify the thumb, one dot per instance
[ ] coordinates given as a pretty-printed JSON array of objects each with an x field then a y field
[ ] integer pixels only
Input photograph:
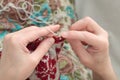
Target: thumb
[{"x": 42, "y": 49}]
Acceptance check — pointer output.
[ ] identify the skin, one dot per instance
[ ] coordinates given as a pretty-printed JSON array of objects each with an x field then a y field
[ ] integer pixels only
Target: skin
[
  {"x": 17, "y": 58},
  {"x": 17, "y": 62},
  {"x": 96, "y": 55}
]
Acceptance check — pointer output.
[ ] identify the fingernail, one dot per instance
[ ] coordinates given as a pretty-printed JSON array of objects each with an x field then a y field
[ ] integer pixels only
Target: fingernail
[
  {"x": 64, "y": 34},
  {"x": 51, "y": 40}
]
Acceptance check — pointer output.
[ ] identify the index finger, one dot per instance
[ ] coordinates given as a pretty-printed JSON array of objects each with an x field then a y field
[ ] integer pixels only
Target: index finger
[
  {"x": 32, "y": 33},
  {"x": 88, "y": 24}
]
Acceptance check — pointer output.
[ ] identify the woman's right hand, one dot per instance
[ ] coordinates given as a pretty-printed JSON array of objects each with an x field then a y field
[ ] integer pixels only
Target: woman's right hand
[{"x": 96, "y": 55}]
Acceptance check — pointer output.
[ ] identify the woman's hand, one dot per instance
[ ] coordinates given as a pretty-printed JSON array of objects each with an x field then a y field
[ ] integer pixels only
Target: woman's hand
[
  {"x": 17, "y": 62},
  {"x": 90, "y": 42}
]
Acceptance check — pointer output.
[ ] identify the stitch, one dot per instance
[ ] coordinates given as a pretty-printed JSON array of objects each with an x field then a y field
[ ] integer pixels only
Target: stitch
[
  {"x": 23, "y": 8},
  {"x": 44, "y": 13}
]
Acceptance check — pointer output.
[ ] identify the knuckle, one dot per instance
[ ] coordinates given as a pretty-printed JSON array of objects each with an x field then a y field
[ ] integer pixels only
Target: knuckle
[
  {"x": 34, "y": 27},
  {"x": 7, "y": 37},
  {"x": 11, "y": 38},
  {"x": 104, "y": 40},
  {"x": 71, "y": 33},
  {"x": 105, "y": 44},
  {"x": 85, "y": 34},
  {"x": 31, "y": 28},
  {"x": 106, "y": 34},
  {"x": 87, "y": 18}
]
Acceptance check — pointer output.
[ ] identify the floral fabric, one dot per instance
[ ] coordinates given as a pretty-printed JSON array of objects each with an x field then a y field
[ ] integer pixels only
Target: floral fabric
[{"x": 60, "y": 63}]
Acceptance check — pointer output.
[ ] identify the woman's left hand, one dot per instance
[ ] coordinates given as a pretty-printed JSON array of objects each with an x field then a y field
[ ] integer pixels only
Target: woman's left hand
[{"x": 17, "y": 62}]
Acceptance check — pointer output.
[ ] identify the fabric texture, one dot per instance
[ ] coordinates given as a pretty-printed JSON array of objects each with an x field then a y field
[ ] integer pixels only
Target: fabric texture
[{"x": 60, "y": 63}]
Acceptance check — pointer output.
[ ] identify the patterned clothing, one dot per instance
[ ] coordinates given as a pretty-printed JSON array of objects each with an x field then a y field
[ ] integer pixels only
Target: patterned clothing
[{"x": 60, "y": 63}]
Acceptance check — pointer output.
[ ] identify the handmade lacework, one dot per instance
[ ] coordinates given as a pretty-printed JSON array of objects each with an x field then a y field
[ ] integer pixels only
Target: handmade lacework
[{"x": 60, "y": 63}]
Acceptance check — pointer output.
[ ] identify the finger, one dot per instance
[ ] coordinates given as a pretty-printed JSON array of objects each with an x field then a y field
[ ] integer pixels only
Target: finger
[
  {"x": 35, "y": 33},
  {"x": 83, "y": 36},
  {"x": 87, "y": 24},
  {"x": 31, "y": 28},
  {"x": 42, "y": 49},
  {"x": 79, "y": 49}
]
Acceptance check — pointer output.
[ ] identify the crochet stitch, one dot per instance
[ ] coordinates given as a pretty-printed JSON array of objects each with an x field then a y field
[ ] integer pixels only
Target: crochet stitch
[{"x": 60, "y": 63}]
